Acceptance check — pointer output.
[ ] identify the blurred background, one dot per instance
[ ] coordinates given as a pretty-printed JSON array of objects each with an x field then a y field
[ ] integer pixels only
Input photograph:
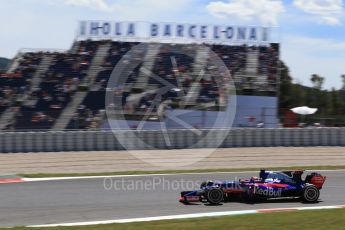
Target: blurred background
[{"x": 63, "y": 89}]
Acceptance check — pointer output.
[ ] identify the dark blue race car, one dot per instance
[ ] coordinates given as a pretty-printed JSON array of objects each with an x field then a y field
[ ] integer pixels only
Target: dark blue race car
[{"x": 269, "y": 184}]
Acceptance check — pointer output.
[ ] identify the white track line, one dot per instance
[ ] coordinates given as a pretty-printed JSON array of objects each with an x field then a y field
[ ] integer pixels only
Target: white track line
[
  {"x": 186, "y": 216},
  {"x": 147, "y": 175},
  {"x": 120, "y": 176}
]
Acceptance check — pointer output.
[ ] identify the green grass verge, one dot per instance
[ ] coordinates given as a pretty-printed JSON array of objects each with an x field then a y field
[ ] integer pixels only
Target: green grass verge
[
  {"x": 316, "y": 220},
  {"x": 44, "y": 175}
]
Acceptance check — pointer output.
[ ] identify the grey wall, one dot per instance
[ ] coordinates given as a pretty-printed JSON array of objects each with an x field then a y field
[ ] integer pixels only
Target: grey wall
[
  {"x": 263, "y": 109},
  {"x": 150, "y": 139}
]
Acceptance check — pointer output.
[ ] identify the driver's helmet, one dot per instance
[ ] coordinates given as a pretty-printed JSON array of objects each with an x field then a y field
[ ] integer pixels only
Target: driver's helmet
[{"x": 263, "y": 174}]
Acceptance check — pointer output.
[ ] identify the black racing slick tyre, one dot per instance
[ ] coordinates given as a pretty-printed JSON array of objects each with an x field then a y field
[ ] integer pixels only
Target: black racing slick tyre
[
  {"x": 310, "y": 194},
  {"x": 214, "y": 195}
]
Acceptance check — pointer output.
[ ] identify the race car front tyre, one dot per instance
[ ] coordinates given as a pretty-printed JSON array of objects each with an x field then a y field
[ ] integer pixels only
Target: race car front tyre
[
  {"x": 214, "y": 195},
  {"x": 310, "y": 194}
]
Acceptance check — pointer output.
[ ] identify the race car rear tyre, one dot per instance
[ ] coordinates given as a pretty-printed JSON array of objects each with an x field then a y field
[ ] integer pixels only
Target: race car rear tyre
[
  {"x": 214, "y": 195},
  {"x": 310, "y": 194}
]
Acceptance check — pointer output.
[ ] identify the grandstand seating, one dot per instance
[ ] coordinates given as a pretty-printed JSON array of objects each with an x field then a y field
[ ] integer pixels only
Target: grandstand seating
[
  {"x": 88, "y": 114},
  {"x": 58, "y": 85},
  {"x": 67, "y": 70},
  {"x": 16, "y": 83}
]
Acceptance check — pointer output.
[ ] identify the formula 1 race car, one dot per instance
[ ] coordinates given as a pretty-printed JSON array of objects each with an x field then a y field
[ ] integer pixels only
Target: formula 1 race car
[{"x": 268, "y": 185}]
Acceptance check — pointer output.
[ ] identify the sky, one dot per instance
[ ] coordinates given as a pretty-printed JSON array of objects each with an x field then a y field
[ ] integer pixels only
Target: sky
[{"x": 311, "y": 32}]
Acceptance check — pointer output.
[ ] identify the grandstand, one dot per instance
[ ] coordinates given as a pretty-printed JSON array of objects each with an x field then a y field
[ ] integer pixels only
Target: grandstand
[{"x": 66, "y": 90}]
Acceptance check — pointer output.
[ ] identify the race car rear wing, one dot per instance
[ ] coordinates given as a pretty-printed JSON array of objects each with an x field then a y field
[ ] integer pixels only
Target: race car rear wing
[{"x": 316, "y": 179}]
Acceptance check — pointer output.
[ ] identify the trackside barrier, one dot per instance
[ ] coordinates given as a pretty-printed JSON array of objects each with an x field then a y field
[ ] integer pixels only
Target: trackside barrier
[{"x": 61, "y": 141}]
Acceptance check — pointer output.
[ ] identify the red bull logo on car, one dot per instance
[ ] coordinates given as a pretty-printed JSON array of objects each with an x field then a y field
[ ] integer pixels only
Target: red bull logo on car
[{"x": 269, "y": 192}]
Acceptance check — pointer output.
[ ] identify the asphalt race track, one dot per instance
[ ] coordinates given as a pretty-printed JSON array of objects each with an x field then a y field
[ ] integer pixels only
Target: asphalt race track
[{"x": 79, "y": 200}]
